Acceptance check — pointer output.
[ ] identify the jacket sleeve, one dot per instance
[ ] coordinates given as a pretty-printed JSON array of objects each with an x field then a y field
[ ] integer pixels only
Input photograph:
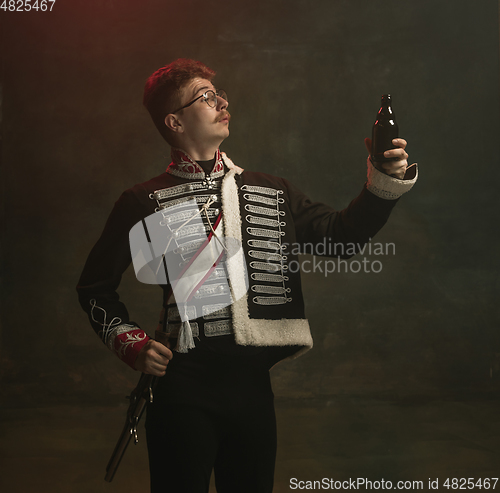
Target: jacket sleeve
[
  {"x": 345, "y": 232},
  {"x": 101, "y": 276}
]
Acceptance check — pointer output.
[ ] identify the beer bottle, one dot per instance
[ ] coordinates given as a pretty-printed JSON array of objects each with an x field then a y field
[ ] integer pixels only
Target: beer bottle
[{"x": 384, "y": 130}]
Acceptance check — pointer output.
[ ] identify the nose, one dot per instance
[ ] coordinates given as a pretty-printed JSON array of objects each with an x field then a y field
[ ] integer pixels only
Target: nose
[{"x": 222, "y": 103}]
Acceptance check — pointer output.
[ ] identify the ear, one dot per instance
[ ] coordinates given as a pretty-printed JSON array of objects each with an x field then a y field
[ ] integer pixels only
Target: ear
[{"x": 173, "y": 123}]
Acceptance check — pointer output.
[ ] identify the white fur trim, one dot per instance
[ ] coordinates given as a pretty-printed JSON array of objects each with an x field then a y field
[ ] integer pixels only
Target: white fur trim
[
  {"x": 231, "y": 165},
  {"x": 253, "y": 332},
  {"x": 388, "y": 187}
]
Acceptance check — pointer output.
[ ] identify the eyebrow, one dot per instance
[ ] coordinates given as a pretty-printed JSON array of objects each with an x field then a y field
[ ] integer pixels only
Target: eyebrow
[{"x": 204, "y": 88}]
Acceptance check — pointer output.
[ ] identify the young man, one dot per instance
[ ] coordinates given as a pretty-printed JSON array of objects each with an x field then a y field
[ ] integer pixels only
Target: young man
[{"x": 213, "y": 408}]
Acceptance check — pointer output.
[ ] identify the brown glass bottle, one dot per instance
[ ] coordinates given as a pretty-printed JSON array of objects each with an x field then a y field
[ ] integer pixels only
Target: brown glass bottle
[{"x": 384, "y": 130}]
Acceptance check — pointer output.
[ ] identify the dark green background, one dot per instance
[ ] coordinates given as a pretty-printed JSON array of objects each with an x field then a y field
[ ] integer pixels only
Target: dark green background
[{"x": 304, "y": 80}]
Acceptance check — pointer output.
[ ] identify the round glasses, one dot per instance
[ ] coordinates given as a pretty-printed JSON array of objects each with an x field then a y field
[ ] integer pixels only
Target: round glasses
[{"x": 210, "y": 97}]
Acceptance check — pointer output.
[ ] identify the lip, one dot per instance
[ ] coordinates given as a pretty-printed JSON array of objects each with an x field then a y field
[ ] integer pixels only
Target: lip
[{"x": 225, "y": 119}]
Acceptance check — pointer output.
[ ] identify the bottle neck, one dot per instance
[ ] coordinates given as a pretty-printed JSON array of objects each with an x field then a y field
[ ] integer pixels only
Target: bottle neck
[{"x": 385, "y": 112}]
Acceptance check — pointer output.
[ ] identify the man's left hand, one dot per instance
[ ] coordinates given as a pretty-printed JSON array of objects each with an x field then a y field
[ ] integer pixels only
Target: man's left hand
[{"x": 396, "y": 167}]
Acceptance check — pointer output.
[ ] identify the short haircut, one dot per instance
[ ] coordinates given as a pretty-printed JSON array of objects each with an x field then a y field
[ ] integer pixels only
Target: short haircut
[{"x": 163, "y": 90}]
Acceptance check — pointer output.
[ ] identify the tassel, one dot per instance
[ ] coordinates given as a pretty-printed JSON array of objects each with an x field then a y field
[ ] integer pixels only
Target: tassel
[{"x": 185, "y": 340}]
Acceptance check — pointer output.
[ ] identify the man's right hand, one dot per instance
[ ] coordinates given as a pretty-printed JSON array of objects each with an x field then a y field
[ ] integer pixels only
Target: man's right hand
[{"x": 153, "y": 358}]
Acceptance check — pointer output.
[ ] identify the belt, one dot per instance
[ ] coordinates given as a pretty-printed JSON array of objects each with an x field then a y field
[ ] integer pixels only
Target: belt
[{"x": 210, "y": 329}]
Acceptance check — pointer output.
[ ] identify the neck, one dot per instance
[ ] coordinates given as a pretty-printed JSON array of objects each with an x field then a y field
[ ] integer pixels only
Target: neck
[
  {"x": 199, "y": 152},
  {"x": 207, "y": 166}
]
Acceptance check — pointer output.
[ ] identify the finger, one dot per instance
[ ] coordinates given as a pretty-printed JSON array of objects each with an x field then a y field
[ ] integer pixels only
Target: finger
[
  {"x": 399, "y": 174},
  {"x": 401, "y": 143},
  {"x": 159, "y": 348},
  {"x": 151, "y": 359},
  {"x": 157, "y": 372},
  {"x": 397, "y": 154},
  {"x": 167, "y": 353},
  {"x": 368, "y": 144},
  {"x": 150, "y": 368},
  {"x": 155, "y": 367},
  {"x": 158, "y": 361},
  {"x": 394, "y": 165},
  {"x": 397, "y": 171},
  {"x": 155, "y": 357},
  {"x": 158, "y": 368}
]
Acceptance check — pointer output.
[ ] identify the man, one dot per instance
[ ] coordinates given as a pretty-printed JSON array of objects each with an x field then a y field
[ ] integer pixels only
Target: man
[{"x": 213, "y": 408}]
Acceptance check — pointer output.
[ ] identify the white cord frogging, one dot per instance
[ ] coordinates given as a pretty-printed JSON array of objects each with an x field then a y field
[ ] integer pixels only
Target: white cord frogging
[
  {"x": 106, "y": 327},
  {"x": 203, "y": 209},
  {"x": 185, "y": 339}
]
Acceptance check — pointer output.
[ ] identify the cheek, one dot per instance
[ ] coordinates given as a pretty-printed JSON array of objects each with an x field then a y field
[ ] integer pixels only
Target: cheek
[{"x": 200, "y": 121}]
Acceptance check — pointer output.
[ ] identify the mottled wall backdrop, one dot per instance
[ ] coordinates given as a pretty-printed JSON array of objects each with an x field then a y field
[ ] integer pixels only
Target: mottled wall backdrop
[{"x": 304, "y": 80}]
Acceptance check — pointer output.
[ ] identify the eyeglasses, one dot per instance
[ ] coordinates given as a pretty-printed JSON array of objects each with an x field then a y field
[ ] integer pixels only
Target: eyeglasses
[{"x": 210, "y": 97}]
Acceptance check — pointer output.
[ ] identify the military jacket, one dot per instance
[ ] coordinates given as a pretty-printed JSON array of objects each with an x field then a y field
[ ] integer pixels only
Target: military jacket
[{"x": 269, "y": 217}]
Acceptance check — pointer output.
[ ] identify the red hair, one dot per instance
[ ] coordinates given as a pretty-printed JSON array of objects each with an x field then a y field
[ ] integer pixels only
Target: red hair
[{"x": 163, "y": 89}]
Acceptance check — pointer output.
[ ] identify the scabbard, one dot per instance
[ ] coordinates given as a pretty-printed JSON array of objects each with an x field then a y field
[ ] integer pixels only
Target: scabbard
[
  {"x": 139, "y": 398},
  {"x": 118, "y": 453}
]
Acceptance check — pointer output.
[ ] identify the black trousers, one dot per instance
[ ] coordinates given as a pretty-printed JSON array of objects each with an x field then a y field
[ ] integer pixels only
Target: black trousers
[{"x": 213, "y": 411}]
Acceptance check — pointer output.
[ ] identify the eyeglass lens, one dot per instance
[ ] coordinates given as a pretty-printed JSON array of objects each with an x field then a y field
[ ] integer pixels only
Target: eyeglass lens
[{"x": 212, "y": 97}]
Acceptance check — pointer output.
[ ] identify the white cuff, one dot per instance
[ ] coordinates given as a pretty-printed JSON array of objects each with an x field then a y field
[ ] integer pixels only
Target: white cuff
[{"x": 388, "y": 187}]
